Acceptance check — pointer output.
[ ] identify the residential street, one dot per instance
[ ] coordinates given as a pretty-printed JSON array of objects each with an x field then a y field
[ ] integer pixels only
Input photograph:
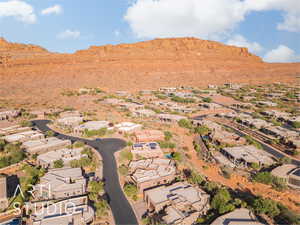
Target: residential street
[{"x": 122, "y": 210}]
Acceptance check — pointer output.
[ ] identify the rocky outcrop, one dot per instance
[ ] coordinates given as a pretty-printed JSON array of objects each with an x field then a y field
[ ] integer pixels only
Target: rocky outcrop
[{"x": 33, "y": 72}]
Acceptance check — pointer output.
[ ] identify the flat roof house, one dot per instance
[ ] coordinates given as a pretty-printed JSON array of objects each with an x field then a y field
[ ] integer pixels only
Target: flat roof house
[
  {"x": 5, "y": 115},
  {"x": 74, "y": 211},
  {"x": 13, "y": 130},
  {"x": 61, "y": 183},
  {"x": 170, "y": 118},
  {"x": 67, "y": 155},
  {"x": 146, "y": 150},
  {"x": 181, "y": 202},
  {"x": 24, "y": 136},
  {"x": 246, "y": 155},
  {"x": 69, "y": 122},
  {"x": 143, "y": 113},
  {"x": 237, "y": 217},
  {"x": 45, "y": 145},
  {"x": 152, "y": 172},
  {"x": 128, "y": 127},
  {"x": 290, "y": 173},
  {"x": 149, "y": 135},
  {"x": 90, "y": 125}
]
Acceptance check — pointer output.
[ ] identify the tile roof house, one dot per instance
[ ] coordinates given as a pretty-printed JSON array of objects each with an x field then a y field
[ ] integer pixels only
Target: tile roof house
[
  {"x": 128, "y": 127},
  {"x": 61, "y": 183},
  {"x": 152, "y": 172},
  {"x": 180, "y": 202}
]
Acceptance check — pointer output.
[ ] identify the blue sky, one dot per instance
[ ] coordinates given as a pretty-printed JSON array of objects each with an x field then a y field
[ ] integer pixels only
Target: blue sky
[{"x": 269, "y": 28}]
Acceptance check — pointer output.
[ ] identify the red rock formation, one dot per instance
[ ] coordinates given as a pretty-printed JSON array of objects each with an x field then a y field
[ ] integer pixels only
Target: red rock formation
[{"x": 34, "y": 72}]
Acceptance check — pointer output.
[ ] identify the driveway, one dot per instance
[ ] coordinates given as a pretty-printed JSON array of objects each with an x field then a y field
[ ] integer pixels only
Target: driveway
[{"x": 122, "y": 210}]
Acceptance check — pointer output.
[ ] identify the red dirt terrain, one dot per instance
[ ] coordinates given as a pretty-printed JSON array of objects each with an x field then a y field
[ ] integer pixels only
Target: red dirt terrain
[{"x": 31, "y": 73}]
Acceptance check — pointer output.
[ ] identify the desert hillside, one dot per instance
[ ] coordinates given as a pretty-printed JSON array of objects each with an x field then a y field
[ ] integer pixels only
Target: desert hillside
[{"x": 30, "y": 72}]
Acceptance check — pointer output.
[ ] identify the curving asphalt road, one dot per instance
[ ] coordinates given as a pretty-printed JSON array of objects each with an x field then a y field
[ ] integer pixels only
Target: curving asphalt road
[{"x": 122, "y": 210}]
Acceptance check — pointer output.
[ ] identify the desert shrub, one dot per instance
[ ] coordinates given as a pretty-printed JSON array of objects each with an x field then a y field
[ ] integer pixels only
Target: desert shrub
[
  {"x": 168, "y": 135},
  {"x": 131, "y": 191},
  {"x": 185, "y": 123},
  {"x": 58, "y": 163}
]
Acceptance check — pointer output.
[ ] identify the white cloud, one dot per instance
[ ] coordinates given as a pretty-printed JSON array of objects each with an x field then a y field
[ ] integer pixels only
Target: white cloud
[
  {"x": 240, "y": 41},
  {"x": 282, "y": 54},
  {"x": 205, "y": 19},
  {"x": 19, "y": 10},
  {"x": 69, "y": 34},
  {"x": 56, "y": 9}
]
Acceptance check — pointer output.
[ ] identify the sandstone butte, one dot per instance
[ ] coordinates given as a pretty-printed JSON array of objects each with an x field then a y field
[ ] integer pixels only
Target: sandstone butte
[{"x": 32, "y": 72}]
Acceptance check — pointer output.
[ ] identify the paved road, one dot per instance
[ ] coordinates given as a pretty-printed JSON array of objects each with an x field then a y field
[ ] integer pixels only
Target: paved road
[{"x": 122, "y": 210}]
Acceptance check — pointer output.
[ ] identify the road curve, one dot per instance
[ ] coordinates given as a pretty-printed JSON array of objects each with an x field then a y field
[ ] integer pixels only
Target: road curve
[{"x": 121, "y": 209}]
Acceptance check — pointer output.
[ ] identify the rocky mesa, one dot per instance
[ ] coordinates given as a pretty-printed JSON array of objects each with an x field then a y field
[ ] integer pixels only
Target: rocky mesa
[{"x": 29, "y": 71}]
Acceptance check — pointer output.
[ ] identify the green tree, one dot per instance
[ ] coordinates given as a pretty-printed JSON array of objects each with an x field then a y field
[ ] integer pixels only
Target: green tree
[
  {"x": 123, "y": 170},
  {"x": 195, "y": 178},
  {"x": 101, "y": 208},
  {"x": 185, "y": 123},
  {"x": 266, "y": 206},
  {"x": 58, "y": 163},
  {"x": 177, "y": 156},
  {"x": 202, "y": 130},
  {"x": 78, "y": 144},
  {"x": 221, "y": 201},
  {"x": 131, "y": 191},
  {"x": 96, "y": 187},
  {"x": 2, "y": 144}
]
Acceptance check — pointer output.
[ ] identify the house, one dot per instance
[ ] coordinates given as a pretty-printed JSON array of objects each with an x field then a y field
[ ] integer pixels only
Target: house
[
  {"x": 152, "y": 172},
  {"x": 238, "y": 217},
  {"x": 69, "y": 122},
  {"x": 131, "y": 106},
  {"x": 46, "y": 160},
  {"x": 128, "y": 127},
  {"x": 290, "y": 173},
  {"x": 24, "y": 136},
  {"x": 74, "y": 211},
  {"x": 210, "y": 106},
  {"x": 254, "y": 123},
  {"x": 90, "y": 126},
  {"x": 45, "y": 145},
  {"x": 170, "y": 118},
  {"x": 280, "y": 132},
  {"x": 61, "y": 183},
  {"x": 13, "y": 130},
  {"x": 146, "y": 150},
  {"x": 283, "y": 116},
  {"x": 180, "y": 202},
  {"x": 242, "y": 105},
  {"x": 225, "y": 137},
  {"x": 70, "y": 114},
  {"x": 143, "y": 113},
  {"x": 212, "y": 86},
  {"x": 149, "y": 135},
  {"x": 245, "y": 156},
  {"x": 167, "y": 89},
  {"x": 6, "y": 115},
  {"x": 266, "y": 103}
]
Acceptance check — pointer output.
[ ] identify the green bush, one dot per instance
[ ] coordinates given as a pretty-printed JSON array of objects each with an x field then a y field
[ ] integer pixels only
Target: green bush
[
  {"x": 78, "y": 144},
  {"x": 185, "y": 123},
  {"x": 202, "y": 130},
  {"x": 168, "y": 135},
  {"x": 123, "y": 170},
  {"x": 131, "y": 191},
  {"x": 266, "y": 206},
  {"x": 221, "y": 201},
  {"x": 58, "y": 163},
  {"x": 208, "y": 100},
  {"x": 167, "y": 144},
  {"x": 91, "y": 133}
]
